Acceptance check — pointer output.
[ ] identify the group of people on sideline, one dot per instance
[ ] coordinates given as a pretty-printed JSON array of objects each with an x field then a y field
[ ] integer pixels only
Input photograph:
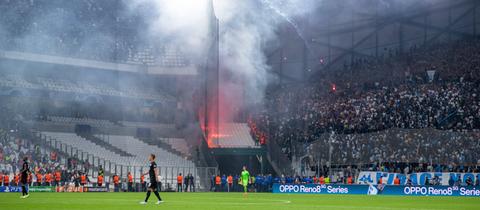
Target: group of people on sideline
[
  {"x": 264, "y": 183},
  {"x": 185, "y": 183}
]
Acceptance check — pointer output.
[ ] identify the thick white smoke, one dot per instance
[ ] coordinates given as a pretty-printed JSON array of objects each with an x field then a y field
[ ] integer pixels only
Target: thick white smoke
[
  {"x": 244, "y": 27},
  {"x": 183, "y": 23}
]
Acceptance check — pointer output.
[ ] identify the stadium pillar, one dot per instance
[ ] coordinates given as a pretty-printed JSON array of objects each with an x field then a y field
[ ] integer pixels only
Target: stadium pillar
[
  {"x": 330, "y": 151},
  {"x": 262, "y": 164}
]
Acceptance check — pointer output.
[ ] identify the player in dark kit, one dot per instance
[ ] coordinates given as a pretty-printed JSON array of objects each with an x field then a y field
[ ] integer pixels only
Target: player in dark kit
[
  {"x": 25, "y": 172},
  {"x": 153, "y": 185}
]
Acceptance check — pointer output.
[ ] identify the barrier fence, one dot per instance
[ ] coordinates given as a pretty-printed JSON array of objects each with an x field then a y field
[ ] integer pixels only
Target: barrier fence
[{"x": 167, "y": 174}]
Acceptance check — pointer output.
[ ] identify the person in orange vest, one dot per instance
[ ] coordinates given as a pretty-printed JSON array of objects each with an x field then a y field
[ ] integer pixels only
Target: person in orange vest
[
  {"x": 39, "y": 178},
  {"x": 16, "y": 179},
  {"x": 48, "y": 179},
  {"x": 350, "y": 180},
  {"x": 142, "y": 182},
  {"x": 218, "y": 182},
  {"x": 179, "y": 182},
  {"x": 100, "y": 180},
  {"x": 6, "y": 180},
  {"x": 130, "y": 182},
  {"x": 58, "y": 177},
  {"x": 380, "y": 180},
  {"x": 83, "y": 180},
  {"x": 322, "y": 180},
  {"x": 230, "y": 182},
  {"x": 1, "y": 178},
  {"x": 396, "y": 181},
  {"x": 116, "y": 183}
]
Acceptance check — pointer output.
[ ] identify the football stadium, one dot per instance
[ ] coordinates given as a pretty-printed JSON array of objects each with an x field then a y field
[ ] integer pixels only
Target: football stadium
[{"x": 239, "y": 104}]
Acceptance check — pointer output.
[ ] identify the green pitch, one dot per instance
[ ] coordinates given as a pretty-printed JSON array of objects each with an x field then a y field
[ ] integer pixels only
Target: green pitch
[{"x": 227, "y": 201}]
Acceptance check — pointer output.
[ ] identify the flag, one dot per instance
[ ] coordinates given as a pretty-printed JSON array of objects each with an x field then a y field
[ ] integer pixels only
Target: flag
[{"x": 372, "y": 190}]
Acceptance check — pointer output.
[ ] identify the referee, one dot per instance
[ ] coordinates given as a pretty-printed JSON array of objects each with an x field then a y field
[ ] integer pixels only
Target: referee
[
  {"x": 25, "y": 172},
  {"x": 153, "y": 174}
]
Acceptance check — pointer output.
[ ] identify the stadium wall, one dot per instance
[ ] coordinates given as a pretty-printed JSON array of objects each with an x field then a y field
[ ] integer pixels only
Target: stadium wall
[{"x": 377, "y": 190}]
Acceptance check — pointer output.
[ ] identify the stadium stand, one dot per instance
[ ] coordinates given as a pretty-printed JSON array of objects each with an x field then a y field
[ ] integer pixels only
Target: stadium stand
[
  {"x": 139, "y": 148},
  {"x": 84, "y": 145},
  {"x": 180, "y": 145},
  {"x": 167, "y": 56},
  {"x": 70, "y": 43},
  {"x": 129, "y": 144},
  {"x": 88, "y": 121},
  {"x": 12, "y": 150},
  {"x": 407, "y": 112},
  {"x": 404, "y": 116},
  {"x": 63, "y": 85},
  {"x": 147, "y": 124}
]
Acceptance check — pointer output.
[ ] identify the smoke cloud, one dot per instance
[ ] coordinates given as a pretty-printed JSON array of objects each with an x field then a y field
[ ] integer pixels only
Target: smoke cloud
[{"x": 245, "y": 27}]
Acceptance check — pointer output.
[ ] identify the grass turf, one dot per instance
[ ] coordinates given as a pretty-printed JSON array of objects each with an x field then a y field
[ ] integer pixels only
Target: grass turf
[{"x": 224, "y": 201}]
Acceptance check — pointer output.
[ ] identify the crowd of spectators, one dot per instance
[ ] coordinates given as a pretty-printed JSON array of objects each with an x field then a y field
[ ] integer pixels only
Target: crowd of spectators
[
  {"x": 452, "y": 149},
  {"x": 47, "y": 165},
  {"x": 403, "y": 115},
  {"x": 13, "y": 150}
]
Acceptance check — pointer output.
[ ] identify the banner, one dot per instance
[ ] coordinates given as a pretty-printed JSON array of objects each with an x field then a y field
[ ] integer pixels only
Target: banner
[
  {"x": 320, "y": 189},
  {"x": 11, "y": 189},
  {"x": 431, "y": 191},
  {"x": 372, "y": 177},
  {"x": 30, "y": 189},
  {"x": 377, "y": 190},
  {"x": 96, "y": 189},
  {"x": 431, "y": 75},
  {"x": 41, "y": 189}
]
